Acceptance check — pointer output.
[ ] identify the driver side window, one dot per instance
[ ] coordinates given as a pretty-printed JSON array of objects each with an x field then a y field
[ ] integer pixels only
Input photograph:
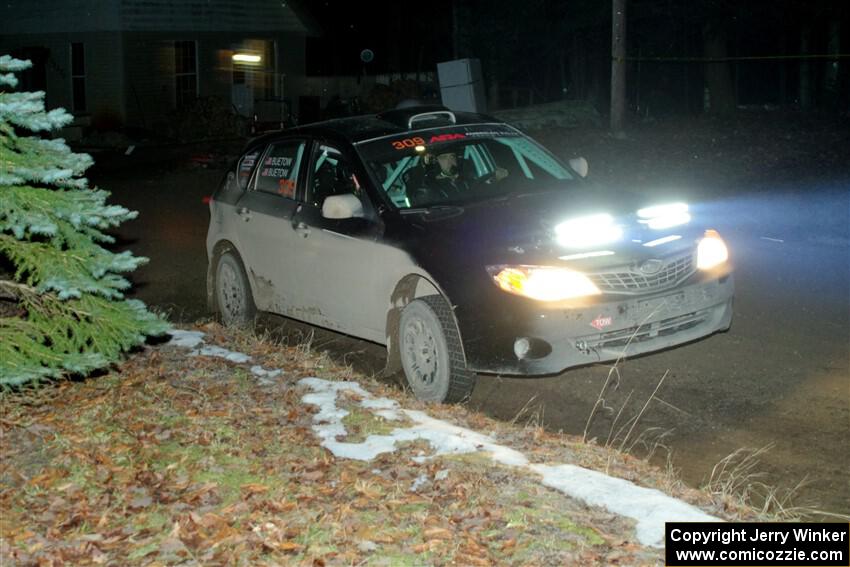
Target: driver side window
[{"x": 331, "y": 174}]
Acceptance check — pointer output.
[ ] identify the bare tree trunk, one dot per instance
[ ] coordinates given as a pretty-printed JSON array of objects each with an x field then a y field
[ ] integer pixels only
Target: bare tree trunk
[
  {"x": 562, "y": 73},
  {"x": 618, "y": 66},
  {"x": 577, "y": 69},
  {"x": 396, "y": 19},
  {"x": 805, "y": 86},
  {"x": 718, "y": 80},
  {"x": 455, "y": 31},
  {"x": 494, "y": 103},
  {"x": 830, "y": 76}
]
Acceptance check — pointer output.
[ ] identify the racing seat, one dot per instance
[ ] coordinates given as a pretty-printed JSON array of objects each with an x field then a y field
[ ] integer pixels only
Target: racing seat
[
  {"x": 323, "y": 184},
  {"x": 418, "y": 187}
]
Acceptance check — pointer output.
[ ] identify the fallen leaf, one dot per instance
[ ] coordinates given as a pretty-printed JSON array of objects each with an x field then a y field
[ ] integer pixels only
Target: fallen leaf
[
  {"x": 141, "y": 502},
  {"x": 466, "y": 559},
  {"x": 421, "y": 548},
  {"x": 23, "y": 535},
  {"x": 313, "y": 475},
  {"x": 437, "y": 533}
]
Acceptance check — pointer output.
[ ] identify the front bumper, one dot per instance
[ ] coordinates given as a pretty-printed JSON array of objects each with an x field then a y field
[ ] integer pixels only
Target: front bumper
[{"x": 561, "y": 338}]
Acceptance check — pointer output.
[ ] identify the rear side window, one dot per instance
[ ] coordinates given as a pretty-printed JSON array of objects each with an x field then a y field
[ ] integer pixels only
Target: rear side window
[
  {"x": 245, "y": 168},
  {"x": 278, "y": 172}
]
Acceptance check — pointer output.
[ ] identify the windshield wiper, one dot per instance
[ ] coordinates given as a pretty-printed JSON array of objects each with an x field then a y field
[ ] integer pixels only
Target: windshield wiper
[
  {"x": 509, "y": 196},
  {"x": 431, "y": 209}
]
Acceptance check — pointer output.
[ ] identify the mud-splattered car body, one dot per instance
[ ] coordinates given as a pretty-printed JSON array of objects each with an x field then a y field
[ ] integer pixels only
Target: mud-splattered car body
[{"x": 643, "y": 270}]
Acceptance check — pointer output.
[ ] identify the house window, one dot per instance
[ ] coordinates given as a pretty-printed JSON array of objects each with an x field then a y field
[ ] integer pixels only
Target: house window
[
  {"x": 185, "y": 72},
  {"x": 78, "y": 77}
]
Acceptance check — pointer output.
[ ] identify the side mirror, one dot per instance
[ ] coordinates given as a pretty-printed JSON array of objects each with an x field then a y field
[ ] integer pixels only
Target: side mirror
[
  {"x": 579, "y": 164},
  {"x": 342, "y": 207}
]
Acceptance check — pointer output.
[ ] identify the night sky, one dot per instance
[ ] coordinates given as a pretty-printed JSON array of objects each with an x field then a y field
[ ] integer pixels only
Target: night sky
[
  {"x": 402, "y": 36},
  {"x": 549, "y": 45}
]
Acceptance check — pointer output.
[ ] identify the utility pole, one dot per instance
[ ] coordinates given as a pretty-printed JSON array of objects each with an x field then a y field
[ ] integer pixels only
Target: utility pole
[
  {"x": 455, "y": 31},
  {"x": 618, "y": 67}
]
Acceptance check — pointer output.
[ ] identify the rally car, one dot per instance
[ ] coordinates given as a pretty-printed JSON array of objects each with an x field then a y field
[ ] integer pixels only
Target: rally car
[{"x": 462, "y": 245}]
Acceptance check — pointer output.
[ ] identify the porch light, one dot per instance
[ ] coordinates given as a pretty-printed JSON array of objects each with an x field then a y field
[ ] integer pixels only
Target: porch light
[{"x": 246, "y": 58}]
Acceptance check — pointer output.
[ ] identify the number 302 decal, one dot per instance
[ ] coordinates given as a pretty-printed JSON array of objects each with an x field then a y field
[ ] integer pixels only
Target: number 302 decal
[{"x": 408, "y": 143}]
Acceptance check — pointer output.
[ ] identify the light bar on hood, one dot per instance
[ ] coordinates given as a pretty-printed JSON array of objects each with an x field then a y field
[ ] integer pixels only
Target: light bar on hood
[
  {"x": 660, "y": 217},
  {"x": 588, "y": 231}
]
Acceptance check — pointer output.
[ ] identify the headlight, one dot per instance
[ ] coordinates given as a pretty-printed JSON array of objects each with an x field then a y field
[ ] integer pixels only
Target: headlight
[
  {"x": 660, "y": 217},
  {"x": 542, "y": 283},
  {"x": 711, "y": 251}
]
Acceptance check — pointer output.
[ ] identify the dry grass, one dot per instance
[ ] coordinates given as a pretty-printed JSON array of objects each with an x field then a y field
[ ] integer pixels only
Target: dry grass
[{"x": 738, "y": 485}]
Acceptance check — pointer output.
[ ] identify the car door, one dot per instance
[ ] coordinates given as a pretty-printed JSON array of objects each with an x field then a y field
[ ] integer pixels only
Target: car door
[
  {"x": 339, "y": 258},
  {"x": 267, "y": 237}
]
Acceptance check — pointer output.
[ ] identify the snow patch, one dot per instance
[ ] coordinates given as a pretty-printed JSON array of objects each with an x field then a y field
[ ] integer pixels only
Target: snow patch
[
  {"x": 649, "y": 508},
  {"x": 419, "y": 482},
  {"x": 379, "y": 403},
  {"x": 443, "y": 437},
  {"x": 258, "y": 370},
  {"x": 221, "y": 353},
  {"x": 195, "y": 340},
  {"x": 186, "y": 339}
]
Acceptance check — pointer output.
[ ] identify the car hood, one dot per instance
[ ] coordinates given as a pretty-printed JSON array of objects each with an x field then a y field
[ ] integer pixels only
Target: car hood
[{"x": 520, "y": 229}]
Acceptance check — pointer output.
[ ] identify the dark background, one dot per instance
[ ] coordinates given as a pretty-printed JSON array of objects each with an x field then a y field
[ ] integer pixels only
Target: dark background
[{"x": 562, "y": 49}]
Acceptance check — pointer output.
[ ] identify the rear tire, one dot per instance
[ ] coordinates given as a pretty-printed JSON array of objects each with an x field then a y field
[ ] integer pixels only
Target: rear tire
[
  {"x": 233, "y": 293},
  {"x": 431, "y": 352}
]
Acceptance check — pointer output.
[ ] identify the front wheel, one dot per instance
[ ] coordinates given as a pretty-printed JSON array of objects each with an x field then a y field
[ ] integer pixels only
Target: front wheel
[
  {"x": 431, "y": 353},
  {"x": 232, "y": 292}
]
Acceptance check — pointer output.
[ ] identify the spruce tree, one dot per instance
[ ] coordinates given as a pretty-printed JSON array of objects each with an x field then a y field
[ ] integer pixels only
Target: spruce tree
[{"x": 62, "y": 307}]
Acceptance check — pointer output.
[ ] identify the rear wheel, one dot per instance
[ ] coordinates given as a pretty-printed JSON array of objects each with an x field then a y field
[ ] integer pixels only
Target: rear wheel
[
  {"x": 232, "y": 292},
  {"x": 431, "y": 353}
]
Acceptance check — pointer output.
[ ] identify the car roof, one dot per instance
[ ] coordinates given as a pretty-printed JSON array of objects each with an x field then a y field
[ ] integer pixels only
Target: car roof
[{"x": 356, "y": 129}]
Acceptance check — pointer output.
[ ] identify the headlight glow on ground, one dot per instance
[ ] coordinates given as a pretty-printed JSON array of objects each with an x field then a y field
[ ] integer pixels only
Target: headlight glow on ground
[
  {"x": 542, "y": 283},
  {"x": 589, "y": 231},
  {"x": 711, "y": 251}
]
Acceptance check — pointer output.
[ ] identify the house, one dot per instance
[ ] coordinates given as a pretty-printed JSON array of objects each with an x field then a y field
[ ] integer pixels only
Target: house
[{"x": 132, "y": 63}]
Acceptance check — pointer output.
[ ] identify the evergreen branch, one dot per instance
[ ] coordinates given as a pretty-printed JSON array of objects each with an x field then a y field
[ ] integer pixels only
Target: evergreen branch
[
  {"x": 71, "y": 316},
  {"x": 10, "y": 287}
]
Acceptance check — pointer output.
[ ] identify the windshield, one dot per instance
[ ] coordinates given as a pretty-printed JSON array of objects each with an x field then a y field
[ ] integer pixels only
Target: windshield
[{"x": 461, "y": 165}]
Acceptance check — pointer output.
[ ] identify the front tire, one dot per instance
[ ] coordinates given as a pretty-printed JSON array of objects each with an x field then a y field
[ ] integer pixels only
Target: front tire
[
  {"x": 233, "y": 293},
  {"x": 431, "y": 352}
]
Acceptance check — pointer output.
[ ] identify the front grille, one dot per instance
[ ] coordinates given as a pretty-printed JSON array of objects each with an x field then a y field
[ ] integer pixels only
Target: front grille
[{"x": 632, "y": 280}]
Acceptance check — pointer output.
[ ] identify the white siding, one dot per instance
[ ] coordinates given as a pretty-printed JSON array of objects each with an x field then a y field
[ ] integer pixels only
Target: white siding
[
  {"x": 104, "y": 76},
  {"x": 57, "y": 16},
  {"x": 215, "y": 15}
]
